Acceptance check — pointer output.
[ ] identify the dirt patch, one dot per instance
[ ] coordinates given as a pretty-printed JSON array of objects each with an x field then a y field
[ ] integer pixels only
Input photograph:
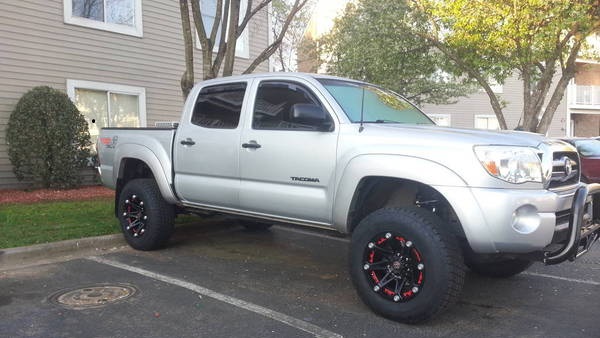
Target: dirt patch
[{"x": 42, "y": 195}]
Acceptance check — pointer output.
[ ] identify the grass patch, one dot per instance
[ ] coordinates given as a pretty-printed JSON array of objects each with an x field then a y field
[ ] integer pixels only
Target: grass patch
[{"x": 27, "y": 224}]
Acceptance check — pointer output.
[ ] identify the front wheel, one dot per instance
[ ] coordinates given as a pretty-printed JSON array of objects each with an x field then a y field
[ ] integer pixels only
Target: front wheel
[
  {"x": 405, "y": 264},
  {"x": 146, "y": 218}
]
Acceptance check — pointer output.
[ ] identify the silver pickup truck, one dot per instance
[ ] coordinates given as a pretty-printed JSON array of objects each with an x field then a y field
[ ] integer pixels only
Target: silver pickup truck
[{"x": 419, "y": 201}]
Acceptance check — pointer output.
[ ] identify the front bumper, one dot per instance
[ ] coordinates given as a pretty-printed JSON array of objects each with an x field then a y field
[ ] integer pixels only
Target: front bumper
[
  {"x": 525, "y": 222},
  {"x": 584, "y": 227}
]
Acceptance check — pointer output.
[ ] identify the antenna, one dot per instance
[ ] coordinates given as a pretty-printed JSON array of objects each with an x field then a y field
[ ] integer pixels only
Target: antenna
[{"x": 362, "y": 108}]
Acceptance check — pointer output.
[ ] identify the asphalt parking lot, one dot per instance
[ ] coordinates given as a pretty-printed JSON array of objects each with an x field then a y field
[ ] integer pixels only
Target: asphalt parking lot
[{"x": 219, "y": 280}]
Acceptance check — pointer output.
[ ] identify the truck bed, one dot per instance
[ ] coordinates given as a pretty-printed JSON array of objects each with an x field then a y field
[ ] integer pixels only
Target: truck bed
[{"x": 114, "y": 144}]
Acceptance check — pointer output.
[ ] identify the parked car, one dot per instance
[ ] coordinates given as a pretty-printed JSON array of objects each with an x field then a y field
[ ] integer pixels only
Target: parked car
[
  {"x": 417, "y": 199},
  {"x": 589, "y": 153}
]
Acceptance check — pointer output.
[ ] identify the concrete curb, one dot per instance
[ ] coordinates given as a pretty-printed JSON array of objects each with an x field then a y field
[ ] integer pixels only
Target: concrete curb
[{"x": 27, "y": 255}]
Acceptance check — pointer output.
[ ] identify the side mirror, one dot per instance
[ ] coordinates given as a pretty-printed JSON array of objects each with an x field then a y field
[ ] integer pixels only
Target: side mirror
[{"x": 312, "y": 114}]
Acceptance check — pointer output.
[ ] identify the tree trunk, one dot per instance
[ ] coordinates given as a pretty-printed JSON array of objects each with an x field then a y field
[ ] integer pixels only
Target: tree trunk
[
  {"x": 568, "y": 72},
  {"x": 187, "y": 79},
  {"x": 234, "y": 18}
]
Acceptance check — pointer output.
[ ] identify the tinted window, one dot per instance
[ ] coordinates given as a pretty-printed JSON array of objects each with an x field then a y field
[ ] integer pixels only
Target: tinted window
[
  {"x": 374, "y": 104},
  {"x": 274, "y": 105},
  {"x": 219, "y": 106}
]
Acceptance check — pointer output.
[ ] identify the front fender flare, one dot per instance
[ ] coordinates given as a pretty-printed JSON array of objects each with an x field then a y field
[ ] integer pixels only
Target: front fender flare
[{"x": 398, "y": 166}]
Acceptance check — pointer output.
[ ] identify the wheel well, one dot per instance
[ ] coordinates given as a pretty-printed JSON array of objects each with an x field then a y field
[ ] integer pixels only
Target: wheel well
[
  {"x": 376, "y": 192},
  {"x": 130, "y": 169}
]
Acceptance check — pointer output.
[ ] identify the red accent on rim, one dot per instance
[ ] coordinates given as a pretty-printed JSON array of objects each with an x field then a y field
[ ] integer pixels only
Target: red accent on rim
[
  {"x": 389, "y": 292},
  {"x": 381, "y": 240},
  {"x": 407, "y": 294},
  {"x": 417, "y": 255},
  {"x": 420, "y": 280},
  {"x": 374, "y": 276}
]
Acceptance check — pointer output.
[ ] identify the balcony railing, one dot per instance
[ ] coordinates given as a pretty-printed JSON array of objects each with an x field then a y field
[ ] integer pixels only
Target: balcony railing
[{"x": 584, "y": 96}]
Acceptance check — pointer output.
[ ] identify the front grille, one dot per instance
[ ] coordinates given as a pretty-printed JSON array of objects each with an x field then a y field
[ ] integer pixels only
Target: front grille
[{"x": 565, "y": 169}]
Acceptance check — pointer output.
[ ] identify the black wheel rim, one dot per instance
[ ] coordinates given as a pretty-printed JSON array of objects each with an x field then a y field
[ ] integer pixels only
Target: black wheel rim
[
  {"x": 394, "y": 267},
  {"x": 135, "y": 216}
]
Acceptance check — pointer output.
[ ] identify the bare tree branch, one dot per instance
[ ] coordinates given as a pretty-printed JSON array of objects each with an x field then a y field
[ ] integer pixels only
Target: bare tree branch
[
  {"x": 272, "y": 48},
  {"x": 250, "y": 12}
]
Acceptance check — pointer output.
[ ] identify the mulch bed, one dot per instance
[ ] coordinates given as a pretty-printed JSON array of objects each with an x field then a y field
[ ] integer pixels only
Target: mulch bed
[{"x": 43, "y": 195}]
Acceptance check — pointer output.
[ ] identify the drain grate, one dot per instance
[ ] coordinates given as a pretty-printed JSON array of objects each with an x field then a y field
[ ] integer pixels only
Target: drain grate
[{"x": 92, "y": 296}]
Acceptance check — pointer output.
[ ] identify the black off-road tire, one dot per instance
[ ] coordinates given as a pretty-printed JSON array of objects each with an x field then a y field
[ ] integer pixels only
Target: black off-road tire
[
  {"x": 256, "y": 226},
  {"x": 498, "y": 268},
  {"x": 435, "y": 251},
  {"x": 154, "y": 218}
]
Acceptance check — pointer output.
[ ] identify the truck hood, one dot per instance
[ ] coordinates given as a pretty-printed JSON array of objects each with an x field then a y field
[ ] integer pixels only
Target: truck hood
[
  {"x": 449, "y": 147},
  {"x": 440, "y": 136}
]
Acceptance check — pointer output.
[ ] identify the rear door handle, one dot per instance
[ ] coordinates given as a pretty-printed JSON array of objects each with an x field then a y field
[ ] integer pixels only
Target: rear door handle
[
  {"x": 251, "y": 145},
  {"x": 188, "y": 142}
]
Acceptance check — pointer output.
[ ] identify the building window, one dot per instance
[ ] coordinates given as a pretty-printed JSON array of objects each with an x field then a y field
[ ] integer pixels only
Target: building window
[
  {"x": 440, "y": 119},
  {"x": 108, "y": 105},
  {"x": 489, "y": 122},
  {"x": 119, "y": 16},
  {"x": 209, "y": 11}
]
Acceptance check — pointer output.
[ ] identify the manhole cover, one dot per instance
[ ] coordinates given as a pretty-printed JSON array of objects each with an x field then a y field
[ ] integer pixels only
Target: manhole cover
[{"x": 92, "y": 296}]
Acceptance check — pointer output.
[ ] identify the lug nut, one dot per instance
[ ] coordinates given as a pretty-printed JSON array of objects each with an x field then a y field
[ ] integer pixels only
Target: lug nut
[
  {"x": 388, "y": 235},
  {"x": 126, "y": 201},
  {"x": 396, "y": 298},
  {"x": 420, "y": 266},
  {"x": 142, "y": 231},
  {"x": 415, "y": 289},
  {"x": 145, "y": 217},
  {"x": 135, "y": 234},
  {"x": 141, "y": 203},
  {"x": 376, "y": 288},
  {"x": 128, "y": 227},
  {"x": 133, "y": 197},
  {"x": 366, "y": 266},
  {"x": 409, "y": 244},
  {"x": 124, "y": 214},
  {"x": 370, "y": 245}
]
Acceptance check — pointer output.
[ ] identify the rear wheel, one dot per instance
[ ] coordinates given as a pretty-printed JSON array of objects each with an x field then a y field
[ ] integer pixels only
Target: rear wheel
[
  {"x": 497, "y": 268},
  {"x": 405, "y": 264},
  {"x": 146, "y": 218}
]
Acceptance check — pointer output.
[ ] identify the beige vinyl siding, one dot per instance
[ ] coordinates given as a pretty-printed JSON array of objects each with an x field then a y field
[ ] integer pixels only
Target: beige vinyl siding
[
  {"x": 463, "y": 112},
  {"x": 38, "y": 48}
]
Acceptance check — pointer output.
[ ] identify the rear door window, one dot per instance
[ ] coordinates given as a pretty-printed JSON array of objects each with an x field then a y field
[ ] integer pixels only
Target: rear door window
[{"x": 220, "y": 106}]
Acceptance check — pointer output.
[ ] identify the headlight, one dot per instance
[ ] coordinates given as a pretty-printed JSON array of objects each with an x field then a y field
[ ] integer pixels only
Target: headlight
[{"x": 511, "y": 164}]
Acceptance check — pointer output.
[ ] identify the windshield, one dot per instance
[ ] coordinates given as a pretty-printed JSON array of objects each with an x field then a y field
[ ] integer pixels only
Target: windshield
[
  {"x": 378, "y": 105},
  {"x": 588, "y": 148}
]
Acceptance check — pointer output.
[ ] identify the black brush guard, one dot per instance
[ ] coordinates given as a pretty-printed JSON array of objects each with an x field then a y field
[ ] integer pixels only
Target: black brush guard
[{"x": 582, "y": 233}]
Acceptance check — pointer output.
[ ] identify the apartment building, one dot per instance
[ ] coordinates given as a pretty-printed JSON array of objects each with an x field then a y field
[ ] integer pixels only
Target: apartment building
[{"x": 120, "y": 61}]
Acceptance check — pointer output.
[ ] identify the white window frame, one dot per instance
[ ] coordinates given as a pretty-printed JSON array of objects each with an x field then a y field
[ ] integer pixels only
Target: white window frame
[
  {"x": 135, "y": 30},
  {"x": 441, "y": 116},
  {"x": 140, "y": 92},
  {"x": 243, "y": 40},
  {"x": 487, "y": 116}
]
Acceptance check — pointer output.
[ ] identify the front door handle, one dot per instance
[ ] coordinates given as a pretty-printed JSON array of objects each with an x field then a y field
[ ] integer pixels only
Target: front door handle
[
  {"x": 251, "y": 145},
  {"x": 188, "y": 142}
]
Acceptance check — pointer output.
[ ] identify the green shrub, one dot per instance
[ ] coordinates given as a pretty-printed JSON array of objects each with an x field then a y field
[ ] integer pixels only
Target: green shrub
[{"x": 48, "y": 139}]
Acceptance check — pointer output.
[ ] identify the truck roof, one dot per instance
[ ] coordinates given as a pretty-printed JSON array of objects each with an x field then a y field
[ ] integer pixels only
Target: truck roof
[{"x": 275, "y": 75}]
